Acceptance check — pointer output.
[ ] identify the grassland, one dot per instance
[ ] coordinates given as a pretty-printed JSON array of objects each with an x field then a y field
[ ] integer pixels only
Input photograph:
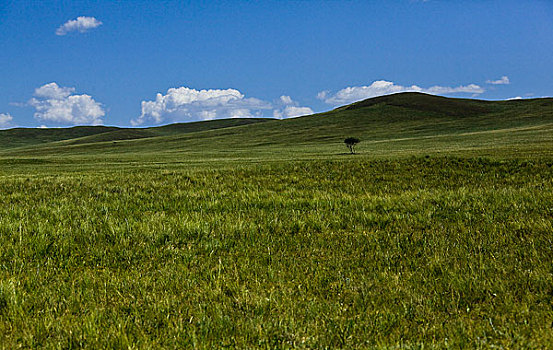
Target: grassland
[{"x": 267, "y": 235}]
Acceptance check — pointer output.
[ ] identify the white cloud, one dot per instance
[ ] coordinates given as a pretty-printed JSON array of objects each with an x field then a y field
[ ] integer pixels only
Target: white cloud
[
  {"x": 467, "y": 89},
  {"x": 503, "y": 81},
  {"x": 514, "y": 98},
  {"x": 293, "y": 111},
  {"x": 58, "y": 104},
  {"x": 186, "y": 104},
  {"x": 323, "y": 95},
  {"x": 5, "y": 120},
  {"x": 52, "y": 90},
  {"x": 287, "y": 100},
  {"x": 289, "y": 108},
  {"x": 81, "y": 24},
  {"x": 382, "y": 87}
]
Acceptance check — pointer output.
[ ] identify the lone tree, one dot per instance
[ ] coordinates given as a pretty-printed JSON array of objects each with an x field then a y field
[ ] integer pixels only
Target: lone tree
[{"x": 351, "y": 142}]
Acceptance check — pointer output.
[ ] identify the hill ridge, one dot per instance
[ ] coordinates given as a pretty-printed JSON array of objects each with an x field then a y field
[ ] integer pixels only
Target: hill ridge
[
  {"x": 22, "y": 136},
  {"x": 411, "y": 117}
]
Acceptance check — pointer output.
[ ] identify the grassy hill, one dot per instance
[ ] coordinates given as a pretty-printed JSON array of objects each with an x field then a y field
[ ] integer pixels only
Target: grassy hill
[
  {"x": 20, "y": 137},
  {"x": 400, "y": 124}
]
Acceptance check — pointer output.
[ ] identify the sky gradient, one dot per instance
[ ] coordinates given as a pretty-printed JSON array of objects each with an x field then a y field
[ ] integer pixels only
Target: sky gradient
[{"x": 147, "y": 63}]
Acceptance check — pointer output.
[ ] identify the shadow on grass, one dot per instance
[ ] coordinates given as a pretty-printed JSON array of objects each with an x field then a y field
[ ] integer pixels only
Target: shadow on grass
[{"x": 348, "y": 154}]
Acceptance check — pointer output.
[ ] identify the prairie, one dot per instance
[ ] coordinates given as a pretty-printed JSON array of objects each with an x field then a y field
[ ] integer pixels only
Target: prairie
[{"x": 267, "y": 234}]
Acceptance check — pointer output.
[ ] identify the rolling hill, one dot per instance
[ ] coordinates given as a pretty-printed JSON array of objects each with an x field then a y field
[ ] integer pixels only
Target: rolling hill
[
  {"x": 399, "y": 124},
  {"x": 20, "y": 137}
]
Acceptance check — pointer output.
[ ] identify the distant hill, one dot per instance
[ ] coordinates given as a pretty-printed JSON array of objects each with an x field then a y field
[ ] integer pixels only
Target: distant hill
[
  {"x": 18, "y": 137},
  {"x": 404, "y": 123},
  {"x": 429, "y": 103}
]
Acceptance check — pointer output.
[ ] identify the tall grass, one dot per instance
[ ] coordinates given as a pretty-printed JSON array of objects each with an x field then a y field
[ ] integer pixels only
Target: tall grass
[{"x": 357, "y": 253}]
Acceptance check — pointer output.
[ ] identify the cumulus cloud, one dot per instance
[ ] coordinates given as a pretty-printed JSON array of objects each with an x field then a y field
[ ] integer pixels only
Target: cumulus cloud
[
  {"x": 81, "y": 25},
  {"x": 186, "y": 104},
  {"x": 53, "y": 91},
  {"x": 503, "y": 81},
  {"x": 59, "y": 105},
  {"x": 5, "y": 120},
  {"x": 293, "y": 111},
  {"x": 382, "y": 87},
  {"x": 288, "y": 108}
]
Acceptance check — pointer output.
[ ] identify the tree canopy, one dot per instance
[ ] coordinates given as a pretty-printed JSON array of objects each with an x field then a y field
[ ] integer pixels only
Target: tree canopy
[{"x": 351, "y": 142}]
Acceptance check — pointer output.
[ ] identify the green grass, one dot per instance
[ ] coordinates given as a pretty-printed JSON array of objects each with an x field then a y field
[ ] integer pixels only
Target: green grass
[
  {"x": 437, "y": 235},
  {"x": 353, "y": 253}
]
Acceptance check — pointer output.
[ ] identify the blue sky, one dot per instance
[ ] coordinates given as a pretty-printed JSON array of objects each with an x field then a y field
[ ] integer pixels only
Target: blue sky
[{"x": 156, "y": 62}]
